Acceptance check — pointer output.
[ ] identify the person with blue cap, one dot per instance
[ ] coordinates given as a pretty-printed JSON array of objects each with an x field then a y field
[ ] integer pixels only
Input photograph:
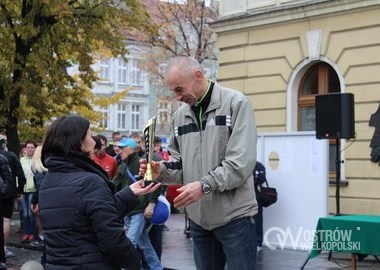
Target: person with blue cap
[{"x": 135, "y": 221}]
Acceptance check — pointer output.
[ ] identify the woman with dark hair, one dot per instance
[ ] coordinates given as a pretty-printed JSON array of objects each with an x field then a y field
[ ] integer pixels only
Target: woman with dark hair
[{"x": 81, "y": 216}]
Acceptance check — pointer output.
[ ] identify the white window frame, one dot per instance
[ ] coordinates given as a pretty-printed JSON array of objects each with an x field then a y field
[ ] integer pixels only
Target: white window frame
[
  {"x": 122, "y": 116},
  {"x": 163, "y": 112},
  {"x": 135, "y": 117},
  {"x": 122, "y": 71},
  {"x": 105, "y": 70},
  {"x": 135, "y": 72},
  {"x": 103, "y": 123}
]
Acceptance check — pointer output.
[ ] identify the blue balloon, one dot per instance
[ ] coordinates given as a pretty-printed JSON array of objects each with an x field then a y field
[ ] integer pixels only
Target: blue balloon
[{"x": 161, "y": 213}]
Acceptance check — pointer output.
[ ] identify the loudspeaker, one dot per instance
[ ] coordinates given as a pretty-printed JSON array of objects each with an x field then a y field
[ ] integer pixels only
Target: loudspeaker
[{"x": 335, "y": 116}]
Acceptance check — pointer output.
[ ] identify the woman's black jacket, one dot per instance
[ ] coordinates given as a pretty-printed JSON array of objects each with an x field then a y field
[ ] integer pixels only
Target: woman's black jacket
[
  {"x": 5, "y": 174},
  {"x": 82, "y": 218}
]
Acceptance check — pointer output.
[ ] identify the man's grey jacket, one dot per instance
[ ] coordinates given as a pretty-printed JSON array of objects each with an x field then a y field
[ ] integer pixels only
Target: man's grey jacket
[{"x": 222, "y": 150}]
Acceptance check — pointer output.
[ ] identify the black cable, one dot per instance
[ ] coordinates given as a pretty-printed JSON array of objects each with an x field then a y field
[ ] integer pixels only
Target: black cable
[{"x": 349, "y": 144}]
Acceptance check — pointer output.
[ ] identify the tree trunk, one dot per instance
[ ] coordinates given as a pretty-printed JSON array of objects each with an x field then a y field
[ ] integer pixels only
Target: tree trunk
[
  {"x": 21, "y": 53},
  {"x": 13, "y": 139},
  {"x": 13, "y": 115}
]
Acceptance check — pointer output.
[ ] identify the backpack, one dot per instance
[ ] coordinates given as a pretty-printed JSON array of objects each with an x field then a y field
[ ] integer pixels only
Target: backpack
[
  {"x": 265, "y": 195},
  {"x": 6, "y": 184},
  {"x": 259, "y": 174}
]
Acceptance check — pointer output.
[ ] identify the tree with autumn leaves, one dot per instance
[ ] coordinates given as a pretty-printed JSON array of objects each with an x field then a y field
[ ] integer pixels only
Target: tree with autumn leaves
[
  {"x": 40, "y": 40},
  {"x": 184, "y": 28}
]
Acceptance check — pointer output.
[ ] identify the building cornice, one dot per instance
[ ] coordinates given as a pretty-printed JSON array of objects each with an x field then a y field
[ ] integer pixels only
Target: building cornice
[{"x": 256, "y": 17}]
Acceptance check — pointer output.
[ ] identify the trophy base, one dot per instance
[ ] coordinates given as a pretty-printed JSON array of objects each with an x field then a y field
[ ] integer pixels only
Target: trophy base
[{"x": 148, "y": 182}]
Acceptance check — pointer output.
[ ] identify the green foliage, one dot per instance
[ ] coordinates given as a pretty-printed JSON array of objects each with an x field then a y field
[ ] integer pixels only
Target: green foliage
[{"x": 40, "y": 40}]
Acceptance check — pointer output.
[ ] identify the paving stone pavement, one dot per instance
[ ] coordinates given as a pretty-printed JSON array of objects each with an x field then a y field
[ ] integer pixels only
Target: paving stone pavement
[{"x": 177, "y": 253}]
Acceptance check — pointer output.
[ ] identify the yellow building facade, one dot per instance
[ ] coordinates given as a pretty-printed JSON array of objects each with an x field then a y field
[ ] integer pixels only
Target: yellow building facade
[{"x": 267, "y": 49}]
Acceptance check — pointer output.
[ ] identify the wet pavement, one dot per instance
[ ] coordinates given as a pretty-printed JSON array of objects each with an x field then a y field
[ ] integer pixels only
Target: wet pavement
[{"x": 177, "y": 253}]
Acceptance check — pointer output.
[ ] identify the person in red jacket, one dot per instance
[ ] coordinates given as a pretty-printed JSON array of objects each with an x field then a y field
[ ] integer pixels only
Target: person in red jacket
[{"x": 107, "y": 162}]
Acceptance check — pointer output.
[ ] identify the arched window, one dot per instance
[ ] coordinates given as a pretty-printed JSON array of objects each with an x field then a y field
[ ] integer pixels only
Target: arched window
[{"x": 320, "y": 78}]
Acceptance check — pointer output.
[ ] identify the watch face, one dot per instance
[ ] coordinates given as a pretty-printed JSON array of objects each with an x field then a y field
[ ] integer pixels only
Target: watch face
[{"x": 206, "y": 189}]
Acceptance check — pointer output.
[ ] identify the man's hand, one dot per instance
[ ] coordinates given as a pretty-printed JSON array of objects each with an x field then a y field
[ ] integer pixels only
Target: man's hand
[
  {"x": 155, "y": 166},
  {"x": 35, "y": 208},
  {"x": 139, "y": 189},
  {"x": 188, "y": 194}
]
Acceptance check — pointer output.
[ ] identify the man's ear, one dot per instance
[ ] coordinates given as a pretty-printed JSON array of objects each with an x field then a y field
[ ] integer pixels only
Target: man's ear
[{"x": 199, "y": 76}]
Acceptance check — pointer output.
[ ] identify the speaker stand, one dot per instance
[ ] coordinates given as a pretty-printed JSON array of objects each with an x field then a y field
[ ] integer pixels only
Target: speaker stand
[
  {"x": 337, "y": 178},
  {"x": 337, "y": 183},
  {"x": 337, "y": 192}
]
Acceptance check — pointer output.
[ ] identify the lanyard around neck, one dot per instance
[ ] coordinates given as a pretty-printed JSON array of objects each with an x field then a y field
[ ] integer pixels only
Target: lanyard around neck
[
  {"x": 200, "y": 115},
  {"x": 133, "y": 178}
]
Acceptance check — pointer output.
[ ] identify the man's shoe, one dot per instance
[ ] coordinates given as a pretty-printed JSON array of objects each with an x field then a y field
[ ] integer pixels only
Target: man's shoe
[
  {"x": 34, "y": 243},
  {"x": 9, "y": 254},
  {"x": 41, "y": 243},
  {"x": 37, "y": 243}
]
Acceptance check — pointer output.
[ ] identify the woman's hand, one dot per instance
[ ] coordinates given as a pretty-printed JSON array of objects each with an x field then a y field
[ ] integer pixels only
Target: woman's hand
[{"x": 138, "y": 188}]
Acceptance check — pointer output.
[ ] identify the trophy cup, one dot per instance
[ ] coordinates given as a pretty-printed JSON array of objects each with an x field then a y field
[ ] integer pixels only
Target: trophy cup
[{"x": 149, "y": 133}]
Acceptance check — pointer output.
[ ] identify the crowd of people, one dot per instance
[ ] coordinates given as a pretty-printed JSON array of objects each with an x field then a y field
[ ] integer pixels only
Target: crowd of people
[
  {"x": 119, "y": 160},
  {"x": 82, "y": 197}
]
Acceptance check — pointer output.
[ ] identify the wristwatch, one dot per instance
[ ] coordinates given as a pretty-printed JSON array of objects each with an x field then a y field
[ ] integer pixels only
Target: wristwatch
[{"x": 206, "y": 187}]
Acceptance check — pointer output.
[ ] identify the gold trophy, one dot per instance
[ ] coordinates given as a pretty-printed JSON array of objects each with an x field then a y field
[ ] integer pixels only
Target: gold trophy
[{"x": 149, "y": 133}]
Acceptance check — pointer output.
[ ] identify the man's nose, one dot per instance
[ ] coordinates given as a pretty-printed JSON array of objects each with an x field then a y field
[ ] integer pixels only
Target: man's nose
[{"x": 177, "y": 96}]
